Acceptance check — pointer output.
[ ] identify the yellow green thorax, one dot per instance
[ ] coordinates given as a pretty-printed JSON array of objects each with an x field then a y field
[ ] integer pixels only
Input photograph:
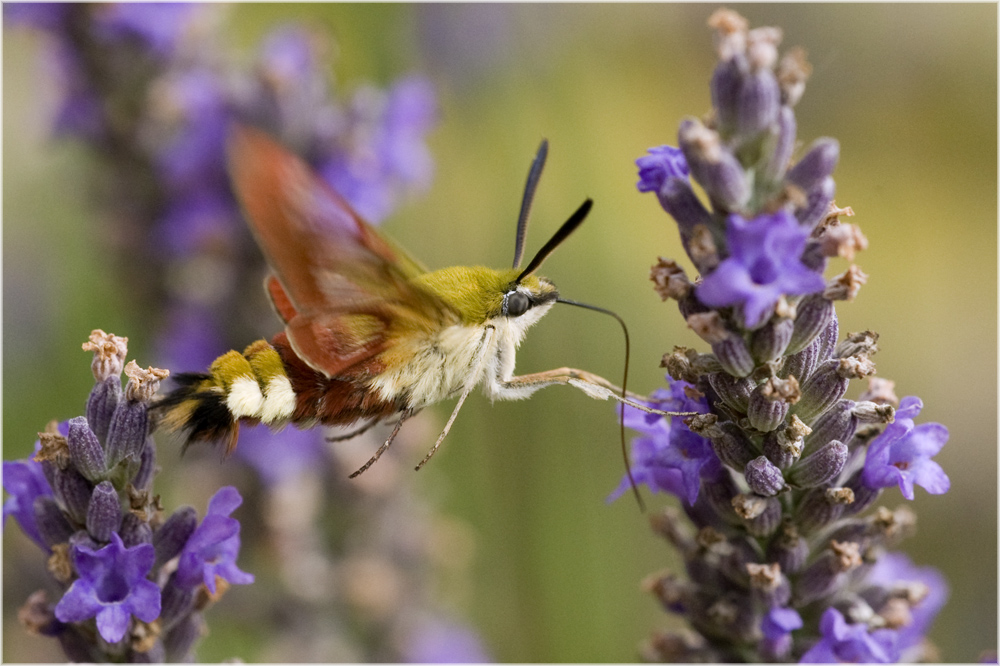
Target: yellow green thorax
[{"x": 476, "y": 292}]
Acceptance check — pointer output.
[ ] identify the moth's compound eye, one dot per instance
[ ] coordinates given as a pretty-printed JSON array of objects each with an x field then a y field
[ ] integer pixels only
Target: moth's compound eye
[{"x": 515, "y": 304}]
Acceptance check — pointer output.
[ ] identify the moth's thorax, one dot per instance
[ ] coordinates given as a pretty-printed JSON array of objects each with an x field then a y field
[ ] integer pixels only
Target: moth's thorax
[{"x": 441, "y": 365}]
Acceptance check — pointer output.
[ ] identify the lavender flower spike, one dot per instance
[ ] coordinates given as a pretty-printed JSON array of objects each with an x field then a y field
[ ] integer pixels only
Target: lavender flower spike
[{"x": 777, "y": 467}]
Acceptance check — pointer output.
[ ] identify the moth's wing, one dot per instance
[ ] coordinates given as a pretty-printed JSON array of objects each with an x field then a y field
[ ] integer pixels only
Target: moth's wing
[{"x": 337, "y": 283}]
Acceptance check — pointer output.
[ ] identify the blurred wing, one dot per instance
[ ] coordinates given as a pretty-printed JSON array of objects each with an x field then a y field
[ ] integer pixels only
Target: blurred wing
[{"x": 337, "y": 283}]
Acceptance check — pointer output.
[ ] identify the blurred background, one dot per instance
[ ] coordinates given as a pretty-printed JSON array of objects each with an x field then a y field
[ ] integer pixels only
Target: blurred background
[{"x": 549, "y": 571}]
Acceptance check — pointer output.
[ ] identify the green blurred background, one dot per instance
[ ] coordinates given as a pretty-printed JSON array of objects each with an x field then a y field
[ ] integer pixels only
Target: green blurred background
[{"x": 909, "y": 90}]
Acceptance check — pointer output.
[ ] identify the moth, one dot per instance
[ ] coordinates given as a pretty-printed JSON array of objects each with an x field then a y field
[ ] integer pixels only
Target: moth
[{"x": 369, "y": 333}]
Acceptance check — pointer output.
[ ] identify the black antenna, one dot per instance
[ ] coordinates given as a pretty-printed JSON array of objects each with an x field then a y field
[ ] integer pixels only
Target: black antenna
[
  {"x": 534, "y": 174},
  {"x": 621, "y": 419},
  {"x": 561, "y": 234}
]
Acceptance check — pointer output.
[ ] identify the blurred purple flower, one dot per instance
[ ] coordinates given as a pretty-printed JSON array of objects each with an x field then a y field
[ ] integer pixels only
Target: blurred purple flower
[
  {"x": 669, "y": 458},
  {"x": 444, "y": 642},
  {"x": 393, "y": 155},
  {"x": 194, "y": 156},
  {"x": 158, "y": 24},
  {"x": 25, "y": 482},
  {"x": 211, "y": 550},
  {"x": 284, "y": 455},
  {"x": 764, "y": 263},
  {"x": 901, "y": 455},
  {"x": 851, "y": 643},
  {"x": 112, "y": 586},
  {"x": 894, "y": 569}
]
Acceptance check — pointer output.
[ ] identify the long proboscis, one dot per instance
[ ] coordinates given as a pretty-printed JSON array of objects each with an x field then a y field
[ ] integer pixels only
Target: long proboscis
[{"x": 621, "y": 420}]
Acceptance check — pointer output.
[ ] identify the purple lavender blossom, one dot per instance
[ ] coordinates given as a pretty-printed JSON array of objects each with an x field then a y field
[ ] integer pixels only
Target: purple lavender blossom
[
  {"x": 112, "y": 587},
  {"x": 211, "y": 551},
  {"x": 764, "y": 264},
  {"x": 661, "y": 164},
  {"x": 25, "y": 482},
  {"x": 846, "y": 643},
  {"x": 925, "y": 589},
  {"x": 777, "y": 627},
  {"x": 901, "y": 455},
  {"x": 669, "y": 457}
]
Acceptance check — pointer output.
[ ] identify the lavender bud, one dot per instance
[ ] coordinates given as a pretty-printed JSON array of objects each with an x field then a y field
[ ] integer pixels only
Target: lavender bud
[
  {"x": 783, "y": 446},
  {"x": 816, "y": 165},
  {"x": 101, "y": 403},
  {"x": 734, "y": 391},
  {"x": 85, "y": 450},
  {"x": 104, "y": 515},
  {"x": 718, "y": 497},
  {"x": 715, "y": 168},
  {"x": 135, "y": 530},
  {"x": 725, "y": 89},
  {"x": 181, "y": 638},
  {"x": 109, "y": 354},
  {"x": 862, "y": 343},
  {"x": 734, "y": 356},
  {"x": 822, "y": 390},
  {"x": 771, "y": 340},
  {"x": 52, "y": 524},
  {"x": 176, "y": 602},
  {"x": 836, "y": 423},
  {"x": 729, "y": 442},
  {"x": 864, "y": 496},
  {"x": 821, "y": 506},
  {"x": 128, "y": 431},
  {"x": 675, "y": 595},
  {"x": 768, "y": 585},
  {"x": 783, "y": 143},
  {"x": 812, "y": 315},
  {"x": 147, "y": 466},
  {"x": 825, "y": 574},
  {"x": 170, "y": 537},
  {"x": 680, "y": 201},
  {"x": 73, "y": 492},
  {"x": 763, "y": 477},
  {"x": 802, "y": 364},
  {"x": 789, "y": 549},
  {"x": 793, "y": 71},
  {"x": 770, "y": 401},
  {"x": 759, "y": 102},
  {"x": 820, "y": 467},
  {"x": 812, "y": 213},
  {"x": 761, "y": 515}
]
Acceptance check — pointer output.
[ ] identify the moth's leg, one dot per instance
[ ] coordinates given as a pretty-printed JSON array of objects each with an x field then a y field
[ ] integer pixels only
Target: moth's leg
[
  {"x": 595, "y": 386},
  {"x": 354, "y": 433},
  {"x": 407, "y": 413},
  {"x": 476, "y": 365}
]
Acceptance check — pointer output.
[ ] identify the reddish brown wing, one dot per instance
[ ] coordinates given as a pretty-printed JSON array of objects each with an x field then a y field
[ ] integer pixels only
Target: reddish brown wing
[{"x": 337, "y": 283}]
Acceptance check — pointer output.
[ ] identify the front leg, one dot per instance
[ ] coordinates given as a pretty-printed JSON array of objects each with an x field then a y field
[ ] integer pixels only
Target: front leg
[{"x": 595, "y": 386}]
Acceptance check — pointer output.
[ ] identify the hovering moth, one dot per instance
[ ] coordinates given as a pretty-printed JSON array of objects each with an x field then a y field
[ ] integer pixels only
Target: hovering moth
[{"x": 369, "y": 333}]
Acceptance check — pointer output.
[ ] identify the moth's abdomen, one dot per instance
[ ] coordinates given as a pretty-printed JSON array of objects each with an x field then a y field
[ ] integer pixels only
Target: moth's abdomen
[
  {"x": 252, "y": 386},
  {"x": 268, "y": 383}
]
